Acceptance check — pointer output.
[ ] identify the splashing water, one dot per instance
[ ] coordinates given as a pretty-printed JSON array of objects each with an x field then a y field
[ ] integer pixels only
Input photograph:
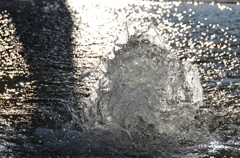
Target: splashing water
[{"x": 150, "y": 79}]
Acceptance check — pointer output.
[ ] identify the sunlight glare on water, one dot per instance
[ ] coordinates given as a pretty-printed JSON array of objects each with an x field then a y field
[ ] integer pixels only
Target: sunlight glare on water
[
  {"x": 133, "y": 81},
  {"x": 196, "y": 32}
]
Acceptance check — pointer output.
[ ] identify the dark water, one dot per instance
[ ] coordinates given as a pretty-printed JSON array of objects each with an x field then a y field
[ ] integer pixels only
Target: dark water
[
  {"x": 36, "y": 69},
  {"x": 40, "y": 82}
]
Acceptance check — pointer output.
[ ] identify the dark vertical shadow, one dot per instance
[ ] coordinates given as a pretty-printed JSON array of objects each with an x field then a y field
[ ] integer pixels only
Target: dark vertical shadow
[{"x": 44, "y": 28}]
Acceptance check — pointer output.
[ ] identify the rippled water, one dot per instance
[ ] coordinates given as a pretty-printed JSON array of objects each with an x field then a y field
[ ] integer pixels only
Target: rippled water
[{"x": 205, "y": 34}]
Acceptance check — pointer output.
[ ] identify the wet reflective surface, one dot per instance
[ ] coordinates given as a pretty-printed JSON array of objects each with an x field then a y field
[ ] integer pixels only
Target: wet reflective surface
[{"x": 72, "y": 81}]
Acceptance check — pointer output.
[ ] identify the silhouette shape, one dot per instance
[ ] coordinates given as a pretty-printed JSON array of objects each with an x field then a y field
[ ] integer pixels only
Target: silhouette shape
[{"x": 36, "y": 71}]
